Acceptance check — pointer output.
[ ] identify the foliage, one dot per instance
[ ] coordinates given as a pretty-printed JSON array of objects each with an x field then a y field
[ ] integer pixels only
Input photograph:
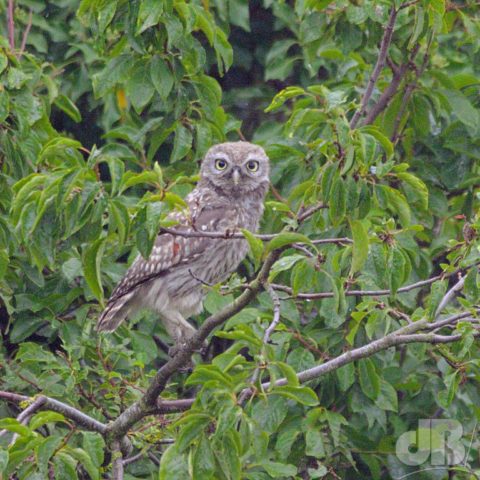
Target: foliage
[{"x": 105, "y": 115}]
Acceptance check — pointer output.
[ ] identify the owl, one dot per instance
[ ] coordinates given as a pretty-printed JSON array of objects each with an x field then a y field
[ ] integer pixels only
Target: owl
[{"x": 234, "y": 179}]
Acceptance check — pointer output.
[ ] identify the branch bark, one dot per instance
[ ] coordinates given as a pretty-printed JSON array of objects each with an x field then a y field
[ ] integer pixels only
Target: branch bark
[
  {"x": 381, "y": 60},
  {"x": 373, "y": 293},
  {"x": 80, "y": 418}
]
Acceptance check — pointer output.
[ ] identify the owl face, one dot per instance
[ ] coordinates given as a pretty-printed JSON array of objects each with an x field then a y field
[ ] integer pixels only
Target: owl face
[{"x": 235, "y": 167}]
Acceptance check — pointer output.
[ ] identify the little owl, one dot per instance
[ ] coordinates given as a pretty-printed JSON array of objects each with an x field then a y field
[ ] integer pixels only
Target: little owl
[{"x": 229, "y": 196}]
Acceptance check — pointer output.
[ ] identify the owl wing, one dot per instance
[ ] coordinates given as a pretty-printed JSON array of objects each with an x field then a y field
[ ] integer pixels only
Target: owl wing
[{"x": 169, "y": 252}]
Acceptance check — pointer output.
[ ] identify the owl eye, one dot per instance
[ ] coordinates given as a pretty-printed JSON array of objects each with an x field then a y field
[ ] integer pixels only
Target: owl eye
[
  {"x": 252, "y": 165},
  {"x": 220, "y": 164}
]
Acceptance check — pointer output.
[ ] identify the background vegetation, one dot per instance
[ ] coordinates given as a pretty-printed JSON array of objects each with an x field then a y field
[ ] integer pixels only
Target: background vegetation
[{"x": 370, "y": 113}]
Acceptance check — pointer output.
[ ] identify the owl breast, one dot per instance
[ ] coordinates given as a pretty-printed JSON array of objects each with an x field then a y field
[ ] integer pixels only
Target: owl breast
[{"x": 217, "y": 261}]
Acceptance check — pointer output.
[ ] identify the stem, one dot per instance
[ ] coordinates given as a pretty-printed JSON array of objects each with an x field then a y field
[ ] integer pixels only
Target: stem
[{"x": 382, "y": 57}]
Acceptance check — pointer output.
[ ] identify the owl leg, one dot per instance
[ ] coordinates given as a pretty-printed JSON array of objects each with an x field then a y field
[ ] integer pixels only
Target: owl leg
[{"x": 177, "y": 327}]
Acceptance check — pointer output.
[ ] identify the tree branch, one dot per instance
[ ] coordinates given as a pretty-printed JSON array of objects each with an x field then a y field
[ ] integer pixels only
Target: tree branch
[
  {"x": 408, "y": 93},
  {"x": 372, "y": 293},
  {"x": 25, "y": 415},
  {"x": 404, "y": 335},
  {"x": 387, "y": 95},
  {"x": 117, "y": 461},
  {"x": 382, "y": 56},
  {"x": 25, "y": 33},
  {"x": 147, "y": 405},
  {"x": 266, "y": 337},
  {"x": 72, "y": 413},
  {"x": 449, "y": 296}
]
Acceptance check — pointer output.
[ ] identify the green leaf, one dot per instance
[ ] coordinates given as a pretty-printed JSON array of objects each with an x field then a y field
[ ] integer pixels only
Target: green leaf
[
  {"x": 463, "y": 108},
  {"x": 83, "y": 457},
  {"x": 66, "y": 105},
  {"x": 281, "y": 97},
  {"x": 289, "y": 373},
  {"x": 256, "y": 247},
  {"x": 279, "y": 470},
  {"x": 161, "y": 76},
  {"x": 13, "y": 425},
  {"x": 94, "y": 445},
  {"x": 337, "y": 202},
  {"x": 387, "y": 399},
  {"x": 42, "y": 418},
  {"x": 346, "y": 376},
  {"x": 3, "y": 460},
  {"x": 369, "y": 379},
  {"x": 173, "y": 464},
  {"x": 182, "y": 143},
  {"x": 287, "y": 238},
  {"x": 303, "y": 395},
  {"x": 65, "y": 466},
  {"x": 4, "y": 261},
  {"x": 396, "y": 268},
  {"x": 192, "y": 428},
  {"x": 418, "y": 186},
  {"x": 314, "y": 444},
  {"x": 91, "y": 267},
  {"x": 375, "y": 132},
  {"x": 284, "y": 263},
  {"x": 360, "y": 246},
  {"x": 139, "y": 88},
  {"x": 149, "y": 14},
  {"x": 203, "y": 459}
]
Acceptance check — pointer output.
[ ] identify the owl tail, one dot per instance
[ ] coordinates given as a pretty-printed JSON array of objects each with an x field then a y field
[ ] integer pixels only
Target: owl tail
[{"x": 114, "y": 314}]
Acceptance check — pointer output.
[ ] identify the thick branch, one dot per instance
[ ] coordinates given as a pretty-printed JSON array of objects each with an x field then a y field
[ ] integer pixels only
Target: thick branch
[
  {"x": 148, "y": 403},
  {"x": 117, "y": 461},
  {"x": 382, "y": 57}
]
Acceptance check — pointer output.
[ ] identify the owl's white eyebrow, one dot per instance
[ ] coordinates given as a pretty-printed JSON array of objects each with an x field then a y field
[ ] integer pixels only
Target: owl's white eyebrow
[
  {"x": 252, "y": 156},
  {"x": 220, "y": 155}
]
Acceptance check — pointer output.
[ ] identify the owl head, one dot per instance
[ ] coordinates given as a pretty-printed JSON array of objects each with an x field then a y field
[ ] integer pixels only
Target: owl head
[{"x": 236, "y": 167}]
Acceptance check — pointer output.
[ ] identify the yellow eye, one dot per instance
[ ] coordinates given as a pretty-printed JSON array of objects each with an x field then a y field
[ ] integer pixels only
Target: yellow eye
[
  {"x": 220, "y": 164},
  {"x": 252, "y": 165}
]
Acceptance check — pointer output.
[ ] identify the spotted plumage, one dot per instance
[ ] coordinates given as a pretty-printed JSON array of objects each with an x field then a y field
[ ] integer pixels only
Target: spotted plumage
[{"x": 234, "y": 179}]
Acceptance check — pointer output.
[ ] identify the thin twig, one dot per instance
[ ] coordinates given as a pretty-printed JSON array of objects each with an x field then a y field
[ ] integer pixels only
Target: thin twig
[
  {"x": 408, "y": 93},
  {"x": 382, "y": 56},
  {"x": 25, "y": 33},
  {"x": 25, "y": 415},
  {"x": 387, "y": 95},
  {"x": 266, "y": 338},
  {"x": 133, "y": 458},
  {"x": 449, "y": 296},
  {"x": 408, "y": 4},
  {"x": 276, "y": 314},
  {"x": 72, "y": 413}
]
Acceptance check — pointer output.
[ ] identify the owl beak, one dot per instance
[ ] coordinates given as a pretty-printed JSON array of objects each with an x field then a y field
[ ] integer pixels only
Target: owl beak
[{"x": 236, "y": 176}]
